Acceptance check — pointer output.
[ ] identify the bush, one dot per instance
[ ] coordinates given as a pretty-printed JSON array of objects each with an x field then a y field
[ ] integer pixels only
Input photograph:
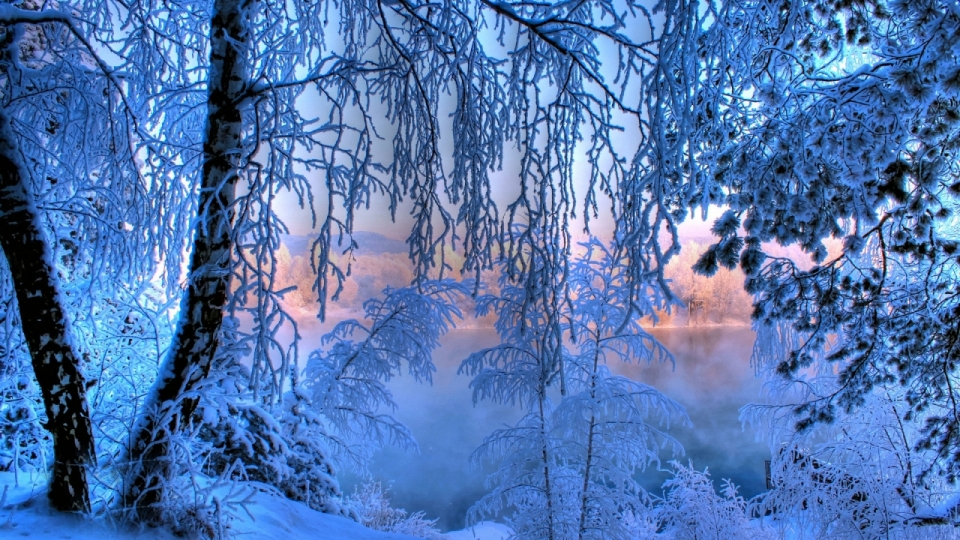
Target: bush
[
  {"x": 372, "y": 506},
  {"x": 692, "y": 509}
]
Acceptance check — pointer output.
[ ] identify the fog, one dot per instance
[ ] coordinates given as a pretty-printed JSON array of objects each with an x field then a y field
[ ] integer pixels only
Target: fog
[{"x": 712, "y": 379}]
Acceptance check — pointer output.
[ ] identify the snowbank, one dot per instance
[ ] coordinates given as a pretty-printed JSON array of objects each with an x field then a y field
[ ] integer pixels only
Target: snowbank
[
  {"x": 274, "y": 517},
  {"x": 24, "y": 513},
  {"x": 485, "y": 530}
]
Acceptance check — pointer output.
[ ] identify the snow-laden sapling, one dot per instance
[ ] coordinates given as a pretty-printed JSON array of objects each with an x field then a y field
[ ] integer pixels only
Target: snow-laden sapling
[
  {"x": 345, "y": 380},
  {"x": 568, "y": 471}
]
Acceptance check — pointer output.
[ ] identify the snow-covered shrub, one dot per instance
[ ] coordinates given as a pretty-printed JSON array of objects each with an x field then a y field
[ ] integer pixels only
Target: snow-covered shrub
[
  {"x": 866, "y": 474},
  {"x": 333, "y": 414},
  {"x": 372, "y": 507},
  {"x": 283, "y": 446},
  {"x": 856, "y": 496},
  {"x": 860, "y": 478},
  {"x": 691, "y": 509},
  {"x": 200, "y": 507},
  {"x": 23, "y": 444},
  {"x": 122, "y": 336},
  {"x": 199, "y": 501},
  {"x": 828, "y": 498}
]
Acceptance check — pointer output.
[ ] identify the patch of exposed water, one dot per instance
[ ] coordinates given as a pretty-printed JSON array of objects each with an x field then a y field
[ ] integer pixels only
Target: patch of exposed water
[{"x": 712, "y": 379}]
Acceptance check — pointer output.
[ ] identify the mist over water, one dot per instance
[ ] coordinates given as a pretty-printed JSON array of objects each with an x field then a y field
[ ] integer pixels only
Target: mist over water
[{"x": 712, "y": 379}]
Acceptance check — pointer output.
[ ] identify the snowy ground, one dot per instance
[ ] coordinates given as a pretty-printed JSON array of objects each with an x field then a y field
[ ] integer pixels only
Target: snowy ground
[
  {"x": 485, "y": 530},
  {"x": 24, "y": 513}
]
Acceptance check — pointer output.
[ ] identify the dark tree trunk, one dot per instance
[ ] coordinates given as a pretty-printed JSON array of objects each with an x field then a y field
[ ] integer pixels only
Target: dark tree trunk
[
  {"x": 587, "y": 468},
  {"x": 544, "y": 455},
  {"x": 172, "y": 399},
  {"x": 46, "y": 330}
]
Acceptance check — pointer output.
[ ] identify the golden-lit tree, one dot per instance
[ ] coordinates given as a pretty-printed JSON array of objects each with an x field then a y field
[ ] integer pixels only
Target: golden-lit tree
[{"x": 718, "y": 299}]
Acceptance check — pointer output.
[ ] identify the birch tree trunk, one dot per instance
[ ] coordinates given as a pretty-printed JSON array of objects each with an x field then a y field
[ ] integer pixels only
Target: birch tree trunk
[
  {"x": 545, "y": 456},
  {"x": 173, "y": 397},
  {"x": 587, "y": 468},
  {"x": 47, "y": 332}
]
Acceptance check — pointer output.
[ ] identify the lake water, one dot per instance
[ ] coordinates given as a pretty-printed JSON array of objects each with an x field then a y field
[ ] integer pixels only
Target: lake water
[{"x": 712, "y": 379}]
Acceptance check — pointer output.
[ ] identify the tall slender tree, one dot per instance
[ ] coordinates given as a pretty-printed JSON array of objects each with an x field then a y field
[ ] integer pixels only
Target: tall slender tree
[
  {"x": 55, "y": 216},
  {"x": 44, "y": 323},
  {"x": 172, "y": 399},
  {"x": 611, "y": 427}
]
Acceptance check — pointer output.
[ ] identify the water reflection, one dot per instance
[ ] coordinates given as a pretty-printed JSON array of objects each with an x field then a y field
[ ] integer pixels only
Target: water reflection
[{"x": 712, "y": 379}]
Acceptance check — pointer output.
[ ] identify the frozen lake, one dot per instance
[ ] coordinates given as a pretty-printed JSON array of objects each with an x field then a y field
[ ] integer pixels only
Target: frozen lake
[{"x": 712, "y": 379}]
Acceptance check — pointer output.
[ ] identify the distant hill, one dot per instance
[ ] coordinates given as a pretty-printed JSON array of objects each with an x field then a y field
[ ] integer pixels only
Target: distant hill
[{"x": 370, "y": 243}]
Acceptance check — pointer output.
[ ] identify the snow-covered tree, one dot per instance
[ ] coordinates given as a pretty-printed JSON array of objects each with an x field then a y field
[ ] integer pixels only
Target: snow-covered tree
[
  {"x": 69, "y": 197},
  {"x": 834, "y": 119},
  {"x": 220, "y": 150},
  {"x": 567, "y": 470}
]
